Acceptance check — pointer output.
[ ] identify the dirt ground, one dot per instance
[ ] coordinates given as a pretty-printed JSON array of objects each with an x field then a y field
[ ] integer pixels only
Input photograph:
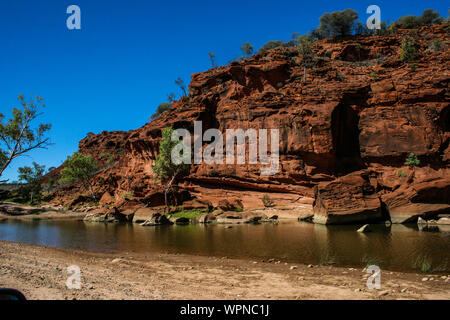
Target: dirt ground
[{"x": 41, "y": 273}]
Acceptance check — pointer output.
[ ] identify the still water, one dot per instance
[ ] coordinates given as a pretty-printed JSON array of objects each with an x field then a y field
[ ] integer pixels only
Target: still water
[{"x": 402, "y": 248}]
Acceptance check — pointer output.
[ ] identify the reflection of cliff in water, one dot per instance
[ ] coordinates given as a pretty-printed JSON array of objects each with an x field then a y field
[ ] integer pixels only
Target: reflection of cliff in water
[{"x": 396, "y": 248}]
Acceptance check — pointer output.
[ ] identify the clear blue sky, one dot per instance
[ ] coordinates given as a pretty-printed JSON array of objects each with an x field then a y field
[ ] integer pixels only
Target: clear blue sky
[{"x": 111, "y": 74}]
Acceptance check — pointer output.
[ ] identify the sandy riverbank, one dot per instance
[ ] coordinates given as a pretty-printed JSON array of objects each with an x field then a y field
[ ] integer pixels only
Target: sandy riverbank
[
  {"x": 17, "y": 211},
  {"x": 46, "y": 215},
  {"x": 41, "y": 273}
]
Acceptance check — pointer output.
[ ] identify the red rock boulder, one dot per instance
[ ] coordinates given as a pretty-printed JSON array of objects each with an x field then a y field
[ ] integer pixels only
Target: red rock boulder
[{"x": 349, "y": 199}]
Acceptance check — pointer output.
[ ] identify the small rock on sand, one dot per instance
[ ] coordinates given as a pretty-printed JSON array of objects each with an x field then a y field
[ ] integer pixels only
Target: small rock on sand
[
  {"x": 117, "y": 260},
  {"x": 365, "y": 228},
  {"x": 383, "y": 293}
]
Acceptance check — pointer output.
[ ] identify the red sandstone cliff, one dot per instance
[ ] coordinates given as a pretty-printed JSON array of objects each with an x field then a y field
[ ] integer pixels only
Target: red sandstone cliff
[{"x": 344, "y": 133}]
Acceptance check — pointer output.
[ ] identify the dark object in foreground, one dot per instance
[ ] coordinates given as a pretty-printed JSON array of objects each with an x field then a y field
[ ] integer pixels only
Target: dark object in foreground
[{"x": 11, "y": 295}]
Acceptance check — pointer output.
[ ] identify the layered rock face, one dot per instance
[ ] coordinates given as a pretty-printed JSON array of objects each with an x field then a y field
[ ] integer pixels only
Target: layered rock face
[{"x": 344, "y": 133}]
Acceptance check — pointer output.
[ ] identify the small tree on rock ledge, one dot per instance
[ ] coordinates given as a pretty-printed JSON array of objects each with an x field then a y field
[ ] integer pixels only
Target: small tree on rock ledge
[
  {"x": 304, "y": 48},
  {"x": 247, "y": 50},
  {"x": 409, "y": 51},
  {"x": 165, "y": 169},
  {"x": 412, "y": 161}
]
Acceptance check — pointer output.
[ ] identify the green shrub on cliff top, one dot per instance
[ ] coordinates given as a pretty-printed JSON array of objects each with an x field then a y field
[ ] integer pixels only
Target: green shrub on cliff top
[
  {"x": 212, "y": 58},
  {"x": 163, "y": 107},
  {"x": 338, "y": 23},
  {"x": 272, "y": 44},
  {"x": 247, "y": 49},
  {"x": 180, "y": 82},
  {"x": 428, "y": 17}
]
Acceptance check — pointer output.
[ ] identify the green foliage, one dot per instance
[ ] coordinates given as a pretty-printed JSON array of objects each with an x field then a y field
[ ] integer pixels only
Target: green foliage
[
  {"x": 17, "y": 137},
  {"x": 239, "y": 209},
  {"x": 327, "y": 259},
  {"x": 171, "y": 97},
  {"x": 127, "y": 195},
  {"x": 247, "y": 49},
  {"x": 428, "y": 17},
  {"x": 412, "y": 160},
  {"x": 267, "y": 202},
  {"x": 304, "y": 48},
  {"x": 316, "y": 34},
  {"x": 304, "y": 45},
  {"x": 294, "y": 36},
  {"x": 188, "y": 214},
  {"x": 413, "y": 66},
  {"x": 409, "y": 51},
  {"x": 164, "y": 168},
  {"x": 423, "y": 263},
  {"x": 401, "y": 174},
  {"x": 79, "y": 168},
  {"x": 361, "y": 29},
  {"x": 384, "y": 29},
  {"x": 369, "y": 260},
  {"x": 374, "y": 75},
  {"x": 50, "y": 184},
  {"x": 212, "y": 58},
  {"x": 338, "y": 23},
  {"x": 409, "y": 22},
  {"x": 180, "y": 82},
  {"x": 436, "y": 45},
  {"x": 163, "y": 107},
  {"x": 3, "y": 158},
  {"x": 272, "y": 44},
  {"x": 108, "y": 157},
  {"x": 31, "y": 176}
]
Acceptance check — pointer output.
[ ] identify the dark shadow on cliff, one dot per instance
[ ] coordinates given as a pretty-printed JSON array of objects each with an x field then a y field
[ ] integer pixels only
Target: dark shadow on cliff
[{"x": 345, "y": 132}]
